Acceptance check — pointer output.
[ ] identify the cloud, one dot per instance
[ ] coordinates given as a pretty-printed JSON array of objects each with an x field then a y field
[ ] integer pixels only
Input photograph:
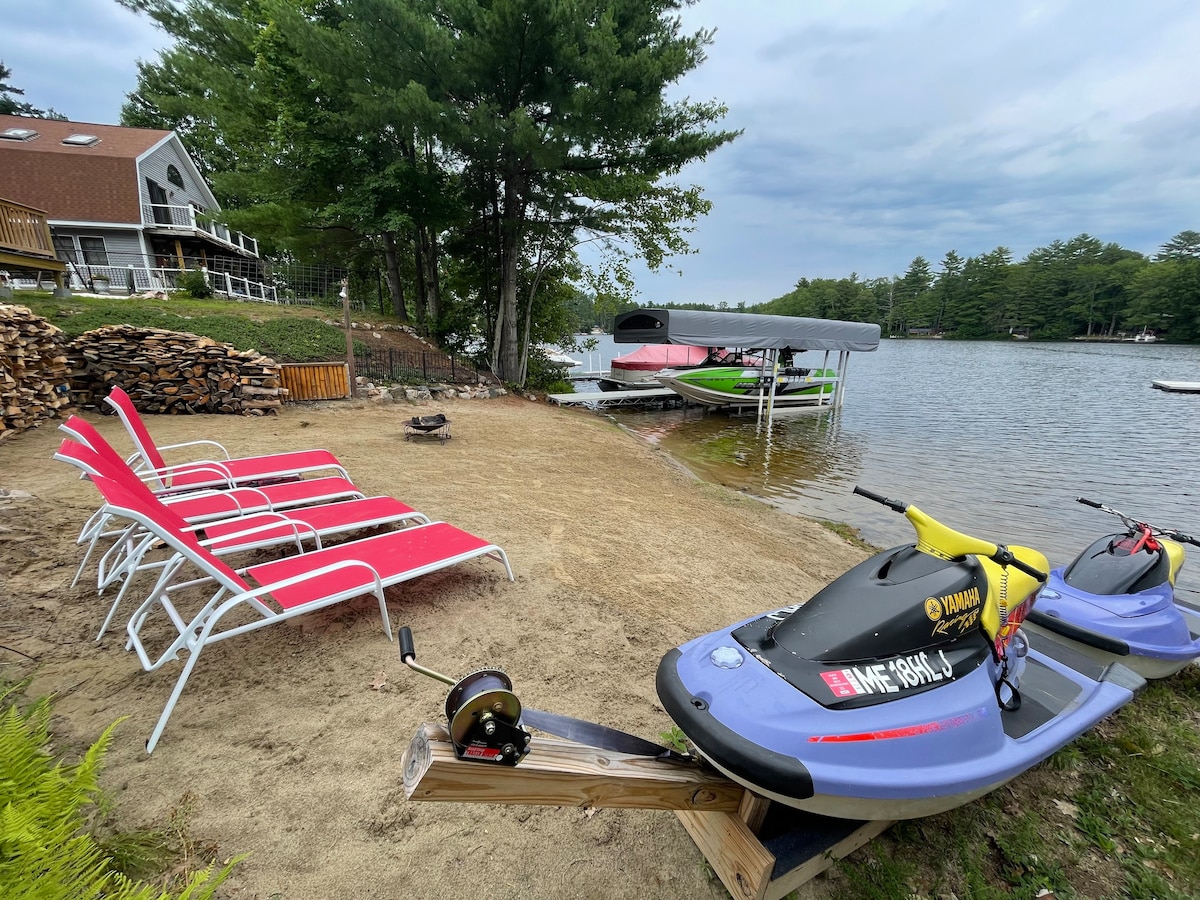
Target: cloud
[{"x": 875, "y": 131}]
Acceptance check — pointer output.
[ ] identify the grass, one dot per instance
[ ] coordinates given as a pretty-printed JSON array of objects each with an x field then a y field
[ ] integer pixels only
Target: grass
[
  {"x": 1114, "y": 815},
  {"x": 286, "y": 333}
]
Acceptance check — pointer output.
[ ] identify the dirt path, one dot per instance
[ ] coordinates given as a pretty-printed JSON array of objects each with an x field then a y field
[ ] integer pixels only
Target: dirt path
[{"x": 291, "y": 752}]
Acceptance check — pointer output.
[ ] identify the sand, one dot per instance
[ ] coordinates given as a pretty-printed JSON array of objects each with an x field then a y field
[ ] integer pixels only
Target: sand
[{"x": 286, "y": 743}]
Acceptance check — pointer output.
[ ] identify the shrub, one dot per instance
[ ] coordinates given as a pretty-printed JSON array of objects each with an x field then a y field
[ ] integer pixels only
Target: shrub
[
  {"x": 194, "y": 282},
  {"x": 47, "y": 850}
]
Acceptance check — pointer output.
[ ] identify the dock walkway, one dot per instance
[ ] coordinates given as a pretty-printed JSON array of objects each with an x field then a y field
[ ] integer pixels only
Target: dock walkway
[{"x": 609, "y": 399}]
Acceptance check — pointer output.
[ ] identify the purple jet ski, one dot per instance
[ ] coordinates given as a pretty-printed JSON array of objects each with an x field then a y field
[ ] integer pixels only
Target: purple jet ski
[
  {"x": 904, "y": 688},
  {"x": 1116, "y": 602}
]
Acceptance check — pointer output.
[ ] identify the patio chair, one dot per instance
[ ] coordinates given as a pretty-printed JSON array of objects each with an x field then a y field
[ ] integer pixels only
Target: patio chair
[
  {"x": 235, "y": 534},
  {"x": 200, "y": 505},
  {"x": 278, "y": 590},
  {"x": 225, "y": 471}
]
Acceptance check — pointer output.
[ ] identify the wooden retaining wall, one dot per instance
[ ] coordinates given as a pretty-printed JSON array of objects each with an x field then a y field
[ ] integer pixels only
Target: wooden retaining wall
[{"x": 315, "y": 381}]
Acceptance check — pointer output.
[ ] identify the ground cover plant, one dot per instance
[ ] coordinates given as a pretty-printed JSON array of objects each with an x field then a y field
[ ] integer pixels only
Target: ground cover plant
[
  {"x": 1116, "y": 814},
  {"x": 286, "y": 333},
  {"x": 55, "y": 838}
]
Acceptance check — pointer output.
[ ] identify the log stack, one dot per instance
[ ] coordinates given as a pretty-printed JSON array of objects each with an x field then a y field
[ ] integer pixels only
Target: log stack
[
  {"x": 33, "y": 370},
  {"x": 175, "y": 372}
]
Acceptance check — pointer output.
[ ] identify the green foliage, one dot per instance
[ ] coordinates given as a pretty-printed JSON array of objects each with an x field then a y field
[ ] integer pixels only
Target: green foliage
[
  {"x": 286, "y": 337},
  {"x": 194, "y": 282},
  {"x": 506, "y": 132},
  {"x": 1077, "y": 288},
  {"x": 1113, "y": 814},
  {"x": 47, "y": 850}
]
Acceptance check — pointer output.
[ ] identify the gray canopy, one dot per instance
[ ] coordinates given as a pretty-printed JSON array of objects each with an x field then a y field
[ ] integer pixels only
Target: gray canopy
[{"x": 748, "y": 331}]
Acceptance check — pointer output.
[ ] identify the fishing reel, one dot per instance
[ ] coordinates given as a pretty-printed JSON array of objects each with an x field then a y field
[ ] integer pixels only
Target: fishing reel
[{"x": 483, "y": 713}]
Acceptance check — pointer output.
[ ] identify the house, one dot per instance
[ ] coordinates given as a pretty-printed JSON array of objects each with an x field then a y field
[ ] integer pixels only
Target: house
[{"x": 127, "y": 208}]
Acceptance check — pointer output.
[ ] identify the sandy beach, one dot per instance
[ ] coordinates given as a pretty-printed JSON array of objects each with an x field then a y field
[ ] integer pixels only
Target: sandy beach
[{"x": 287, "y": 741}]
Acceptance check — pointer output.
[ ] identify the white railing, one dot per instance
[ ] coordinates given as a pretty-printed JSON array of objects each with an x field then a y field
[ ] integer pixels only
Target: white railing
[
  {"x": 124, "y": 280},
  {"x": 168, "y": 216}
]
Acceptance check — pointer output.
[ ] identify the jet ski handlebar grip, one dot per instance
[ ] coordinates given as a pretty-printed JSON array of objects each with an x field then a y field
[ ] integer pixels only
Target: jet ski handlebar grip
[
  {"x": 879, "y": 498},
  {"x": 1006, "y": 557}
]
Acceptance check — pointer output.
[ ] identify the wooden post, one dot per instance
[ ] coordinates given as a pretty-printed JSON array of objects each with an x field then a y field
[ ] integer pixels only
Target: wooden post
[
  {"x": 724, "y": 819},
  {"x": 562, "y": 773},
  {"x": 349, "y": 337}
]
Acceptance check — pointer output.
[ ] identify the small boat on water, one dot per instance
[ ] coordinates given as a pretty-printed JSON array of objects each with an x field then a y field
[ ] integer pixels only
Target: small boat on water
[
  {"x": 559, "y": 359},
  {"x": 1145, "y": 336},
  {"x": 637, "y": 370},
  {"x": 728, "y": 385},
  {"x": 758, "y": 363}
]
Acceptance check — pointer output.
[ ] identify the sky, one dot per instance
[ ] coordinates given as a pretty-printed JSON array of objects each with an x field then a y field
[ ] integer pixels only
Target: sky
[{"x": 874, "y": 131}]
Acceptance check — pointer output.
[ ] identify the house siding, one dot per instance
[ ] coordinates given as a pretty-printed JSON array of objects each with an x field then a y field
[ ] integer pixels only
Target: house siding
[{"x": 155, "y": 167}]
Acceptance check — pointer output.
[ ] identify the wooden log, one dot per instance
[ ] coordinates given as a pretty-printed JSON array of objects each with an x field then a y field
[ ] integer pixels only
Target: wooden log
[{"x": 561, "y": 773}]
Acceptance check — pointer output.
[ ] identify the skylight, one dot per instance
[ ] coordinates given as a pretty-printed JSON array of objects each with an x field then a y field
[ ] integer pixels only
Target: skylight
[
  {"x": 81, "y": 140},
  {"x": 18, "y": 134}
]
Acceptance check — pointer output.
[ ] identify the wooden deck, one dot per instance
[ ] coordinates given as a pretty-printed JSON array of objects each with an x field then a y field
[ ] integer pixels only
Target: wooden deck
[{"x": 25, "y": 241}]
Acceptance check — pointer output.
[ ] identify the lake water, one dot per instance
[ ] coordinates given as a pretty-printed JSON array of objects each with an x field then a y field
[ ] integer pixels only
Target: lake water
[{"x": 996, "y": 439}]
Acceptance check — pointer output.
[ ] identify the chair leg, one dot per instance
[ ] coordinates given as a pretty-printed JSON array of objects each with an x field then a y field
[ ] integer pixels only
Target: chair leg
[{"x": 194, "y": 655}]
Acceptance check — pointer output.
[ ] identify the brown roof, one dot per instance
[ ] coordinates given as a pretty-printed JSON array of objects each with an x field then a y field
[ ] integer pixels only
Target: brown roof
[{"x": 74, "y": 183}]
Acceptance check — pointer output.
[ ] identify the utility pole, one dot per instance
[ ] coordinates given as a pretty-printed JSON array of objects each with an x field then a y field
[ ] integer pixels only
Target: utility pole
[{"x": 349, "y": 337}]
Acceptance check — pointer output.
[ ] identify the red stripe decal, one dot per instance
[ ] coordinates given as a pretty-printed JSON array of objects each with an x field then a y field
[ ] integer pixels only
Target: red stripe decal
[{"x": 907, "y": 731}]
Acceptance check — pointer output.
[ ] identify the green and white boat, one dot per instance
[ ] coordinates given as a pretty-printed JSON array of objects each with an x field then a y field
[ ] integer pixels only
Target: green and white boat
[
  {"x": 764, "y": 370},
  {"x": 744, "y": 385}
]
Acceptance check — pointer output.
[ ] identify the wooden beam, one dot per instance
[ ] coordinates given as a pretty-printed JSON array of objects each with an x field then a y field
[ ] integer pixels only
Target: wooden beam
[{"x": 562, "y": 773}]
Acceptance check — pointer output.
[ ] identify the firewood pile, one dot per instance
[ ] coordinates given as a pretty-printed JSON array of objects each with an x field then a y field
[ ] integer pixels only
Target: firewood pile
[
  {"x": 33, "y": 370},
  {"x": 174, "y": 372}
]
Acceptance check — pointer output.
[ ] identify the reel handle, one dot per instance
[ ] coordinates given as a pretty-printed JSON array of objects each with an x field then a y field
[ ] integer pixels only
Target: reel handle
[
  {"x": 408, "y": 656},
  {"x": 407, "y": 650}
]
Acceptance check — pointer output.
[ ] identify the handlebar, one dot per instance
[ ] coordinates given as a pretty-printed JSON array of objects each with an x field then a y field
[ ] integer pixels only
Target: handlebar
[
  {"x": 897, "y": 505},
  {"x": 1135, "y": 526},
  {"x": 939, "y": 540}
]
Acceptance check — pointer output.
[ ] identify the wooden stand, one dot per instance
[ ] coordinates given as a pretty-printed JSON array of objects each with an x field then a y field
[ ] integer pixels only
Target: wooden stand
[{"x": 759, "y": 850}]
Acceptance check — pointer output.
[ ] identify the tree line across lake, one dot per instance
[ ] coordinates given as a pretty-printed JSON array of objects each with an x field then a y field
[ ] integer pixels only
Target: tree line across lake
[{"x": 1077, "y": 288}]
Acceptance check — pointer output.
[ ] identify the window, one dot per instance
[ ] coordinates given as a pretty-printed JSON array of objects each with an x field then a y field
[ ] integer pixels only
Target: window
[
  {"x": 18, "y": 134},
  {"x": 174, "y": 177},
  {"x": 81, "y": 140},
  {"x": 64, "y": 248},
  {"x": 94, "y": 251}
]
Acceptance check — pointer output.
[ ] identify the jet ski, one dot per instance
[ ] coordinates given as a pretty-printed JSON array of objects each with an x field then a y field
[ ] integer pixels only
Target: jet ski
[
  {"x": 904, "y": 688},
  {"x": 1117, "y": 601}
]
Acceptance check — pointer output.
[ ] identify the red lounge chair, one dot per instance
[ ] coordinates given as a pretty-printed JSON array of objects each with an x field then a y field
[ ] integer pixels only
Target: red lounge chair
[
  {"x": 205, "y": 504},
  {"x": 281, "y": 589},
  {"x": 235, "y": 534},
  {"x": 223, "y": 472}
]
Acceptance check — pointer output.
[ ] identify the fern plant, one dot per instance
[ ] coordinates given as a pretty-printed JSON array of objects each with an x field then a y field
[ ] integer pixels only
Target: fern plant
[{"x": 46, "y": 851}]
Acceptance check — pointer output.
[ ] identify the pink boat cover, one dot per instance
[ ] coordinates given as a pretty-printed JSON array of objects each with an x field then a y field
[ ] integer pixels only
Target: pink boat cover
[{"x": 653, "y": 357}]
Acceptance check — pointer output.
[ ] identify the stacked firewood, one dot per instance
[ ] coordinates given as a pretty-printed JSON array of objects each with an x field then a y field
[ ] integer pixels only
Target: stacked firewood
[
  {"x": 33, "y": 370},
  {"x": 175, "y": 372}
]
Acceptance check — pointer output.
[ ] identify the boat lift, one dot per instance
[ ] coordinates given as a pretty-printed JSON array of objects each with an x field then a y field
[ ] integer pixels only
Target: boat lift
[{"x": 769, "y": 335}]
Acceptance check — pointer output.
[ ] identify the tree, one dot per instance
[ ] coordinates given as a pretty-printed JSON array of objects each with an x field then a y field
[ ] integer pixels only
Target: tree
[
  {"x": 11, "y": 106},
  {"x": 1185, "y": 245},
  {"x": 527, "y": 125},
  {"x": 557, "y": 112}
]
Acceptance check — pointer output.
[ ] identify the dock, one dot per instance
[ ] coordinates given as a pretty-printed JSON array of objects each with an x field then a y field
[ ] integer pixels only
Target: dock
[
  {"x": 654, "y": 397},
  {"x": 1178, "y": 387}
]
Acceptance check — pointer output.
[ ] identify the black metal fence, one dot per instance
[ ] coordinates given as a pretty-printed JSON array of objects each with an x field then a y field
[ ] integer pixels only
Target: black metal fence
[{"x": 416, "y": 367}]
